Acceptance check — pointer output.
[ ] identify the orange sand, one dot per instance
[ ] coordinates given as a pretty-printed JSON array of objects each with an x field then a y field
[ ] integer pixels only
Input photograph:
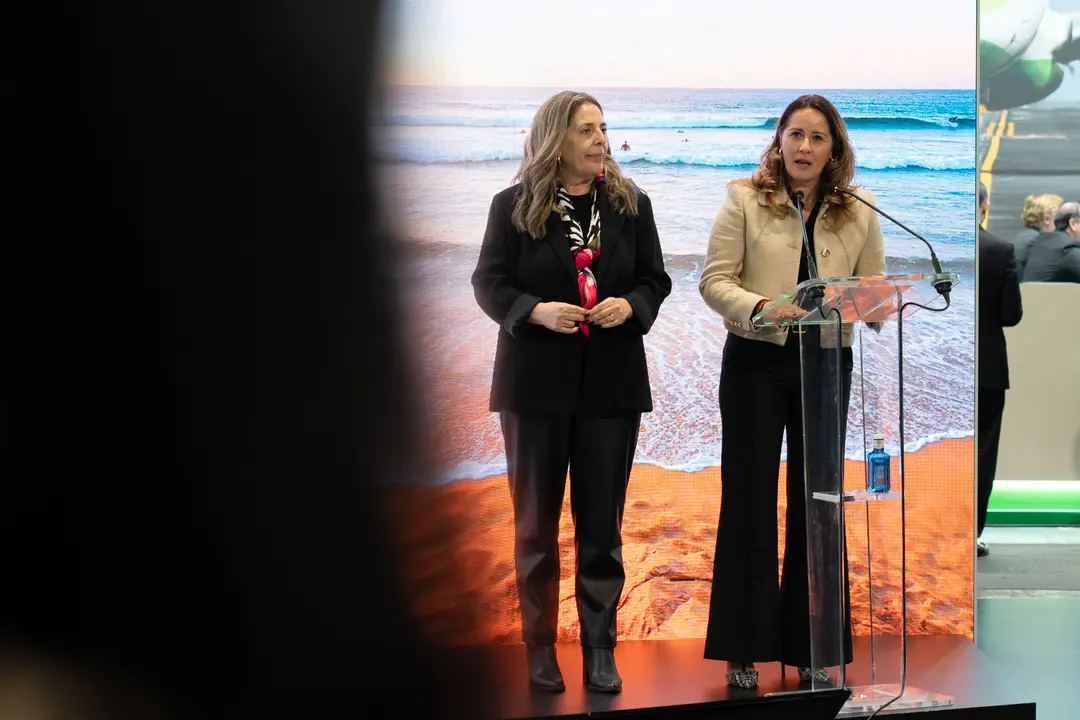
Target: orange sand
[{"x": 458, "y": 542}]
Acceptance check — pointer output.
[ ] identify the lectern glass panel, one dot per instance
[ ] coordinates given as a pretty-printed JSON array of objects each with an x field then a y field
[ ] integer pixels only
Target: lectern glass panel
[{"x": 850, "y": 452}]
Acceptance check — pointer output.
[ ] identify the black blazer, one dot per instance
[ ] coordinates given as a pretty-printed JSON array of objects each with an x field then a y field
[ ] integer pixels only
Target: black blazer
[
  {"x": 999, "y": 307},
  {"x": 1052, "y": 257},
  {"x": 541, "y": 371}
]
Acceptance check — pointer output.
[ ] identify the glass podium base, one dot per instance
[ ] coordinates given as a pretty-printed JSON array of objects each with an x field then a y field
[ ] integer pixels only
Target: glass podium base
[{"x": 868, "y": 698}]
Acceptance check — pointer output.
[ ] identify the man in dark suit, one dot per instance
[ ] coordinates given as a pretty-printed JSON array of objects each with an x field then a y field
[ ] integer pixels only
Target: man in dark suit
[
  {"x": 1055, "y": 255},
  {"x": 999, "y": 307}
]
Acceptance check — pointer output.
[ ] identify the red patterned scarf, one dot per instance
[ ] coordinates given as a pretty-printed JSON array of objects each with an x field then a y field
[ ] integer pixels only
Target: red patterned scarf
[{"x": 585, "y": 246}]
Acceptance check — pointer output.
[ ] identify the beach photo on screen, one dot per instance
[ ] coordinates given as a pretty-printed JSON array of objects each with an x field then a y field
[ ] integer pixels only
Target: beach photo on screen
[{"x": 691, "y": 94}]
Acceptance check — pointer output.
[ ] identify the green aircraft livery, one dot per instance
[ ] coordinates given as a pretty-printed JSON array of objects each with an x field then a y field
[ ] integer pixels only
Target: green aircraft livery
[{"x": 1024, "y": 48}]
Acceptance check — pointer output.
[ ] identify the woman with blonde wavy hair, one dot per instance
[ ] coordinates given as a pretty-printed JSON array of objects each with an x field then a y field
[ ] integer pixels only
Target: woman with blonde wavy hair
[
  {"x": 1038, "y": 217},
  {"x": 571, "y": 271}
]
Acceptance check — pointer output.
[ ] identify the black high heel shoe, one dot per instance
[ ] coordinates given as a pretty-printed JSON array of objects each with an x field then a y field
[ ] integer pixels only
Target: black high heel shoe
[
  {"x": 544, "y": 673},
  {"x": 599, "y": 671}
]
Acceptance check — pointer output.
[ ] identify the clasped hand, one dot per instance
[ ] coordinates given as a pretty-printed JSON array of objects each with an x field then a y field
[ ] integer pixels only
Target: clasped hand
[{"x": 564, "y": 318}]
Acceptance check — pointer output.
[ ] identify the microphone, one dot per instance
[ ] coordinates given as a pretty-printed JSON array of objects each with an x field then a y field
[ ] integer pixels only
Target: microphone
[
  {"x": 817, "y": 289},
  {"x": 942, "y": 286}
]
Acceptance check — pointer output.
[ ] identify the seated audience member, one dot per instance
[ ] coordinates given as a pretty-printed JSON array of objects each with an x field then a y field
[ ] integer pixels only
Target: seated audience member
[
  {"x": 1038, "y": 217},
  {"x": 1055, "y": 256}
]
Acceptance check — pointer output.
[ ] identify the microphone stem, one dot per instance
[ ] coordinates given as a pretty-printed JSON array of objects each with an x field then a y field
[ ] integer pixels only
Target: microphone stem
[
  {"x": 942, "y": 286},
  {"x": 933, "y": 255}
]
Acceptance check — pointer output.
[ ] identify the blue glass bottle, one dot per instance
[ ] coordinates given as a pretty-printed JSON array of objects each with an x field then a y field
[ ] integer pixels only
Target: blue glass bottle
[{"x": 877, "y": 480}]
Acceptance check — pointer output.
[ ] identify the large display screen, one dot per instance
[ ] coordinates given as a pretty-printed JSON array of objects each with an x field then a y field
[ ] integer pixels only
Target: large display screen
[{"x": 691, "y": 94}]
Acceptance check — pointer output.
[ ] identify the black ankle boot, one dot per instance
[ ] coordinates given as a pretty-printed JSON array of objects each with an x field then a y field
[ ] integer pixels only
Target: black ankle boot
[
  {"x": 600, "y": 672},
  {"x": 544, "y": 673}
]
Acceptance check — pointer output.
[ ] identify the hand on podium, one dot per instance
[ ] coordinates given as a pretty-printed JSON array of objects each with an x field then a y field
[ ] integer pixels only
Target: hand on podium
[
  {"x": 788, "y": 311},
  {"x": 782, "y": 312}
]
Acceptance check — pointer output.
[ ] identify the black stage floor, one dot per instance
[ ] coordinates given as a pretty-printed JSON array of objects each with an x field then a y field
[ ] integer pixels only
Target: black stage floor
[
  {"x": 1037, "y": 151},
  {"x": 670, "y": 679}
]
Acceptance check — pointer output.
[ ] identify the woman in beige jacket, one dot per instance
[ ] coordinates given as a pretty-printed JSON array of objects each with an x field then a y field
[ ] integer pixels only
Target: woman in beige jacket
[{"x": 756, "y": 254}]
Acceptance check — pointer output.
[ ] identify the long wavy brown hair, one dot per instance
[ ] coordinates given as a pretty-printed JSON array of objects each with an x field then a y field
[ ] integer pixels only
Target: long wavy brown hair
[
  {"x": 539, "y": 166},
  {"x": 771, "y": 176}
]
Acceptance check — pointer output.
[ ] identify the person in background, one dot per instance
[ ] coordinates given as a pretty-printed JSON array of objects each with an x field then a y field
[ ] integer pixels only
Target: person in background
[
  {"x": 999, "y": 307},
  {"x": 756, "y": 254},
  {"x": 1055, "y": 256},
  {"x": 1038, "y": 217},
  {"x": 571, "y": 270}
]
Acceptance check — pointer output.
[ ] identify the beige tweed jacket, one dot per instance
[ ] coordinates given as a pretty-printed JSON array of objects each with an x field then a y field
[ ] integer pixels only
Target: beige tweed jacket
[{"x": 754, "y": 254}]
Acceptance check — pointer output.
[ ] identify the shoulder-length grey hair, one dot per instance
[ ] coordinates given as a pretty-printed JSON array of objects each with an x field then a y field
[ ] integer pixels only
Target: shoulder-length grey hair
[{"x": 539, "y": 166}]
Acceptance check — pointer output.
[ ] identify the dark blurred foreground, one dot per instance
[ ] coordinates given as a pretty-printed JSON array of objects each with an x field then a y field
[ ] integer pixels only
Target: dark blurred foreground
[{"x": 203, "y": 378}]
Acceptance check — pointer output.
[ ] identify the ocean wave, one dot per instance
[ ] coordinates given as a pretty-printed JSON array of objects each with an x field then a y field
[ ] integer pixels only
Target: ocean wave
[
  {"x": 474, "y": 470},
  {"x": 684, "y": 351},
  {"x": 685, "y": 122},
  {"x": 434, "y": 156},
  {"x": 921, "y": 164}
]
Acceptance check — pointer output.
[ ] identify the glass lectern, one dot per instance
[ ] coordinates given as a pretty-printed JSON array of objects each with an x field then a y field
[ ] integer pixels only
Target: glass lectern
[{"x": 854, "y": 520}]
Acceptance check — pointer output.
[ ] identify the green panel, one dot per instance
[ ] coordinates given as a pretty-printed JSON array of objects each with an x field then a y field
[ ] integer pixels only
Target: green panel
[
  {"x": 1050, "y": 518},
  {"x": 1035, "y": 502}
]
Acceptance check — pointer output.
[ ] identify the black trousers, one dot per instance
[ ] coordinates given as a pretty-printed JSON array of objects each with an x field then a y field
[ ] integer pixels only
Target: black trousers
[
  {"x": 991, "y": 407},
  {"x": 599, "y": 452},
  {"x": 750, "y": 618}
]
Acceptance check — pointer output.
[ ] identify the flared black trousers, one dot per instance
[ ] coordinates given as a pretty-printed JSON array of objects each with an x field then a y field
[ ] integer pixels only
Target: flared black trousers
[{"x": 752, "y": 618}]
